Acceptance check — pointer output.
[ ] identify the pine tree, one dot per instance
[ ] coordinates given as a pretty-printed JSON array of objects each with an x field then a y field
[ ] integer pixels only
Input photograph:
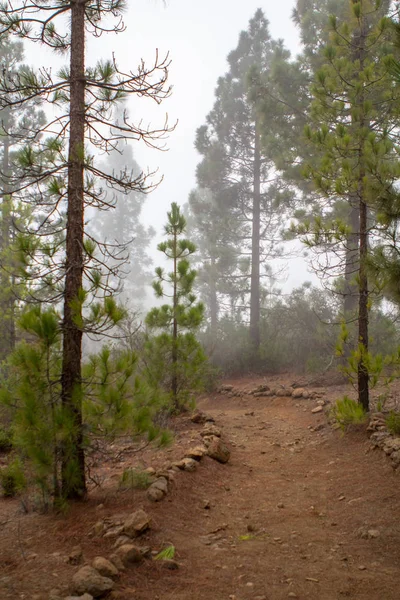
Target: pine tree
[
  {"x": 69, "y": 179},
  {"x": 16, "y": 127},
  {"x": 237, "y": 170},
  {"x": 354, "y": 109},
  {"x": 183, "y": 316}
]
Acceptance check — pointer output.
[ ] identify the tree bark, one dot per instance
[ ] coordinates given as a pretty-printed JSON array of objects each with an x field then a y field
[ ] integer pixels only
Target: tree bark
[
  {"x": 351, "y": 291},
  {"x": 213, "y": 300},
  {"x": 174, "y": 382},
  {"x": 8, "y": 301},
  {"x": 73, "y": 457},
  {"x": 362, "y": 370},
  {"x": 255, "y": 248}
]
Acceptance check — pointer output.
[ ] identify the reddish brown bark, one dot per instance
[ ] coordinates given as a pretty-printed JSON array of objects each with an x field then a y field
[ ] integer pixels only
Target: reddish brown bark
[{"x": 73, "y": 461}]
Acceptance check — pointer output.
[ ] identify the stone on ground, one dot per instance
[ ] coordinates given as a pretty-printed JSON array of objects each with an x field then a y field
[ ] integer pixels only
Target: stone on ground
[
  {"x": 89, "y": 581},
  {"x": 137, "y": 523},
  {"x": 105, "y": 567},
  {"x": 129, "y": 554},
  {"x": 218, "y": 451}
]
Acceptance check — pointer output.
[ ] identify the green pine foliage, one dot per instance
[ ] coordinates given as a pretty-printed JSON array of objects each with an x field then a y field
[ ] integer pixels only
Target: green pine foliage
[
  {"x": 174, "y": 359},
  {"x": 113, "y": 397},
  {"x": 347, "y": 412}
]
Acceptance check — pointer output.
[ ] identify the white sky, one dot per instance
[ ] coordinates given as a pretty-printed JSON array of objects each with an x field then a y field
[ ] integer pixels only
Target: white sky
[{"x": 198, "y": 35}]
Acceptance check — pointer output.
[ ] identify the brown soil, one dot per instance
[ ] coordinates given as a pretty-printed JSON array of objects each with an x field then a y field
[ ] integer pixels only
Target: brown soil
[{"x": 283, "y": 521}]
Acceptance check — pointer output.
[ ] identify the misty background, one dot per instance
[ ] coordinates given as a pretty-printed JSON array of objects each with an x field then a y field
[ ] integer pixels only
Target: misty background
[{"x": 197, "y": 39}]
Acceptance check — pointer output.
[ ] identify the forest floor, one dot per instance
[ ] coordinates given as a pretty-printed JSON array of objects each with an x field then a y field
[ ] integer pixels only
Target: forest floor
[{"x": 285, "y": 518}]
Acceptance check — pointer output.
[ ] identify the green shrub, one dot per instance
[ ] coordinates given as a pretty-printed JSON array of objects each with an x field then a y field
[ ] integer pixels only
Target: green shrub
[
  {"x": 348, "y": 412},
  {"x": 135, "y": 479},
  {"x": 393, "y": 422},
  {"x": 5, "y": 440},
  {"x": 12, "y": 479}
]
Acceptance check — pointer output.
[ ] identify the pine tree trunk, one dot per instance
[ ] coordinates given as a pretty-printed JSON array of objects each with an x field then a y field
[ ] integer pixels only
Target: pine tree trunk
[
  {"x": 8, "y": 302},
  {"x": 73, "y": 457},
  {"x": 363, "y": 374},
  {"x": 352, "y": 263},
  {"x": 255, "y": 249},
  {"x": 174, "y": 382},
  {"x": 213, "y": 300}
]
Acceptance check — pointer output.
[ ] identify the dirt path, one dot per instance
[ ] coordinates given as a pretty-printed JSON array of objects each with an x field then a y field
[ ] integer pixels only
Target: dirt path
[
  {"x": 286, "y": 513},
  {"x": 281, "y": 520}
]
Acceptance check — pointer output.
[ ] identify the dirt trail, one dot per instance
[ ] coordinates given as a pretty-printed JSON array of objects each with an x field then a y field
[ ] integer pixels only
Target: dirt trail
[
  {"x": 292, "y": 501},
  {"x": 281, "y": 520}
]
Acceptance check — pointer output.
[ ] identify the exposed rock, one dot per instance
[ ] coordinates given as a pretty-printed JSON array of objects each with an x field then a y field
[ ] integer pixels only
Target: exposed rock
[
  {"x": 129, "y": 554},
  {"x": 198, "y": 417},
  {"x": 283, "y": 393},
  {"x": 98, "y": 528},
  {"x": 150, "y": 470},
  {"x": 306, "y": 394},
  {"x": 225, "y": 388},
  {"x": 219, "y": 451},
  {"x": 391, "y": 444},
  {"x": 196, "y": 453},
  {"x": 117, "y": 562},
  {"x": 368, "y": 534},
  {"x": 76, "y": 556},
  {"x": 114, "y": 532},
  {"x": 298, "y": 392},
  {"x": 187, "y": 464},
  {"x": 317, "y": 409},
  {"x": 161, "y": 484},
  {"x": 260, "y": 389},
  {"x": 122, "y": 539},
  {"x": 137, "y": 523},
  {"x": 265, "y": 394},
  {"x": 88, "y": 581},
  {"x": 209, "y": 430},
  {"x": 395, "y": 458},
  {"x": 158, "y": 489},
  {"x": 155, "y": 494},
  {"x": 105, "y": 567}
]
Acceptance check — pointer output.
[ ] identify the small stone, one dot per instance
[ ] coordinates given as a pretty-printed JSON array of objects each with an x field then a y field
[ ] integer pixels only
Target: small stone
[
  {"x": 88, "y": 580},
  {"x": 317, "y": 409},
  {"x": 114, "y": 532},
  {"x": 121, "y": 540},
  {"x": 373, "y": 533},
  {"x": 84, "y": 597},
  {"x": 129, "y": 554},
  {"x": 362, "y": 567},
  {"x": 198, "y": 417},
  {"x": 150, "y": 471},
  {"x": 292, "y": 595},
  {"x": 98, "y": 528},
  {"x": 210, "y": 430},
  {"x": 187, "y": 464},
  {"x": 117, "y": 562},
  {"x": 158, "y": 489},
  {"x": 136, "y": 524},
  {"x": 298, "y": 393},
  {"x": 161, "y": 484},
  {"x": 105, "y": 567},
  {"x": 76, "y": 556},
  {"x": 196, "y": 453},
  {"x": 281, "y": 505},
  {"x": 218, "y": 451}
]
